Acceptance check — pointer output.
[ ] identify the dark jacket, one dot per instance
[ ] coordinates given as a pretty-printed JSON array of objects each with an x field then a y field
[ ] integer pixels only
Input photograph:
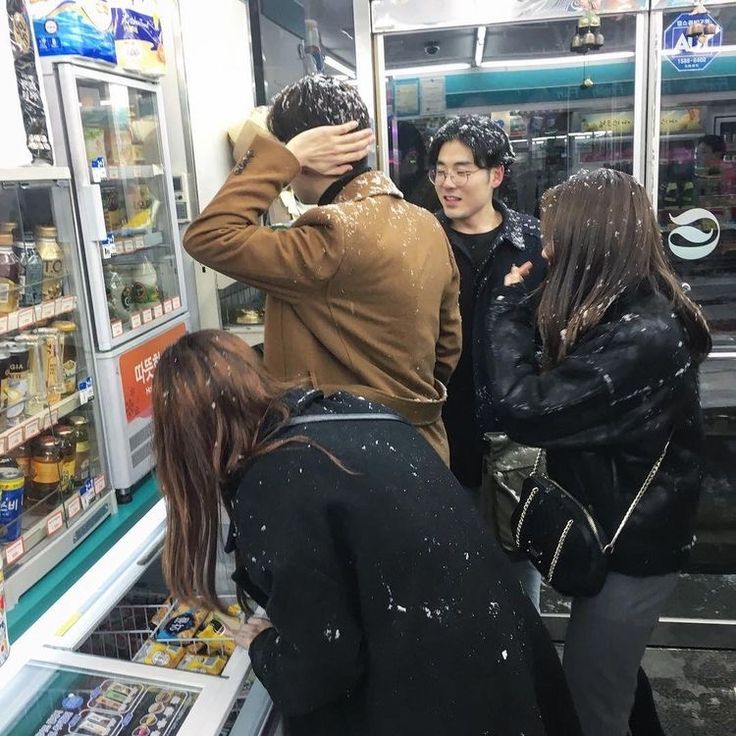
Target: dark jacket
[
  {"x": 517, "y": 242},
  {"x": 604, "y": 414},
  {"x": 394, "y": 611}
]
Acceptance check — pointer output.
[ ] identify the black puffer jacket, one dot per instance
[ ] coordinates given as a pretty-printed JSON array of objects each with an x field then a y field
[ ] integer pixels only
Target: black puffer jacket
[
  {"x": 394, "y": 611},
  {"x": 517, "y": 241},
  {"x": 604, "y": 415}
]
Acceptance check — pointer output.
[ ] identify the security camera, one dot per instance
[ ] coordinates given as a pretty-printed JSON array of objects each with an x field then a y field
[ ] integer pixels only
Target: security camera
[{"x": 432, "y": 48}]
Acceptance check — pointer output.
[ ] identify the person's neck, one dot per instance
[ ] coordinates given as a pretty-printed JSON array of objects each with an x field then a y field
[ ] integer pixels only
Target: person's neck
[{"x": 487, "y": 219}]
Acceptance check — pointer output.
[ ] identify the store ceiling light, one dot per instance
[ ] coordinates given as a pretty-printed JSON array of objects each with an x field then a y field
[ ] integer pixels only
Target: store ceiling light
[
  {"x": 480, "y": 45},
  {"x": 343, "y": 68},
  {"x": 417, "y": 71},
  {"x": 557, "y": 61}
]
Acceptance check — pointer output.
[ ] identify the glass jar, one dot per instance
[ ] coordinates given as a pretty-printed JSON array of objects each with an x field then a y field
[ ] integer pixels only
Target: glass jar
[
  {"x": 22, "y": 457},
  {"x": 46, "y": 463},
  {"x": 67, "y": 437},
  {"x": 53, "y": 262},
  {"x": 9, "y": 275},
  {"x": 82, "y": 450}
]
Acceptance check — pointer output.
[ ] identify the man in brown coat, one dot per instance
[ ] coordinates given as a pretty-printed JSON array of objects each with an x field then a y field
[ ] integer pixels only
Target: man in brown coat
[{"x": 362, "y": 291}]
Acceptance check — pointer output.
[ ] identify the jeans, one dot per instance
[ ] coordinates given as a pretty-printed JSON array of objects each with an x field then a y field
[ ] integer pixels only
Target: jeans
[{"x": 605, "y": 643}]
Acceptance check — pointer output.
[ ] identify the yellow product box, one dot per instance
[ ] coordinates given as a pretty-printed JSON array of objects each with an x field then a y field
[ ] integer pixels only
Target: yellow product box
[
  {"x": 203, "y": 664},
  {"x": 159, "y": 654},
  {"x": 214, "y": 636}
]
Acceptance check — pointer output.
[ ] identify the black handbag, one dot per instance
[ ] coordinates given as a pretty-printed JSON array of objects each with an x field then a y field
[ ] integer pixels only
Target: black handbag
[{"x": 561, "y": 537}]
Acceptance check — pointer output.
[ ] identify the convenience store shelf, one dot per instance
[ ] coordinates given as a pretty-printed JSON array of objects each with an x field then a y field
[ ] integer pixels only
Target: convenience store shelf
[
  {"x": 34, "y": 425},
  {"x": 22, "y": 319},
  {"x": 142, "y": 171},
  {"x": 35, "y": 173}
]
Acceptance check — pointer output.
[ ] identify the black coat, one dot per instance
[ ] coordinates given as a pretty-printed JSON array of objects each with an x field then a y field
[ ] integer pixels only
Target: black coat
[
  {"x": 517, "y": 242},
  {"x": 394, "y": 611},
  {"x": 604, "y": 414}
]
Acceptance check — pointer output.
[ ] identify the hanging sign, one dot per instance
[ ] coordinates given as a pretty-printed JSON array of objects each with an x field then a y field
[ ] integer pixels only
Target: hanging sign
[{"x": 688, "y": 52}]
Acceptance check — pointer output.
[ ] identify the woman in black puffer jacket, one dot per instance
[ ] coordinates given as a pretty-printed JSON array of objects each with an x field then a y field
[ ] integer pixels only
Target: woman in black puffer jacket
[{"x": 618, "y": 376}]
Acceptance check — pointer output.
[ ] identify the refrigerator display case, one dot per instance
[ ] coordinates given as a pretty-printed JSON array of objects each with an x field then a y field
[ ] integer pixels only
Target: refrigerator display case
[
  {"x": 117, "y": 149},
  {"x": 53, "y": 487},
  {"x": 78, "y": 669}
]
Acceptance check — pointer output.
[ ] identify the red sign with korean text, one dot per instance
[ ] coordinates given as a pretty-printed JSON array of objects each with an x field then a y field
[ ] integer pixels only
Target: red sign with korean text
[{"x": 136, "y": 371}]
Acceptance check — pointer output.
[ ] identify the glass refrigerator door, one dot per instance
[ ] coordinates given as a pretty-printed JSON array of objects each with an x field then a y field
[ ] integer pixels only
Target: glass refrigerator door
[
  {"x": 52, "y": 476},
  {"x": 122, "y": 173}
]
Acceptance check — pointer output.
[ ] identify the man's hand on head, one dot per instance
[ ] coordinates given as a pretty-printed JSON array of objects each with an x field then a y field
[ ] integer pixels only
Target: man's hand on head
[{"x": 331, "y": 150}]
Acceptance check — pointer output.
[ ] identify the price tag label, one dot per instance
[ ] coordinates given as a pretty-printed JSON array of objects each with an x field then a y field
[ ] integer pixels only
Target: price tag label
[
  {"x": 59, "y": 305},
  {"x": 12, "y": 321},
  {"x": 158, "y": 311},
  {"x": 86, "y": 391},
  {"x": 48, "y": 310},
  {"x": 54, "y": 523},
  {"x": 176, "y": 301},
  {"x": 168, "y": 306},
  {"x": 37, "y": 312},
  {"x": 45, "y": 421},
  {"x": 15, "y": 438},
  {"x": 3, "y": 446},
  {"x": 135, "y": 320},
  {"x": 31, "y": 428},
  {"x": 98, "y": 170},
  {"x": 87, "y": 493},
  {"x": 140, "y": 242},
  {"x": 68, "y": 303},
  {"x": 117, "y": 328},
  {"x": 26, "y": 318},
  {"x": 147, "y": 316},
  {"x": 114, "y": 172},
  {"x": 130, "y": 245},
  {"x": 54, "y": 416},
  {"x": 99, "y": 485},
  {"x": 15, "y": 550},
  {"x": 3, "y": 324},
  {"x": 73, "y": 507}
]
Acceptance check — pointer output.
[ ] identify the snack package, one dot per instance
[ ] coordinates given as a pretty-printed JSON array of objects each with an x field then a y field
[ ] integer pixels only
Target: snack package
[
  {"x": 162, "y": 612},
  {"x": 202, "y": 663},
  {"x": 182, "y": 623},
  {"x": 213, "y": 638},
  {"x": 160, "y": 654}
]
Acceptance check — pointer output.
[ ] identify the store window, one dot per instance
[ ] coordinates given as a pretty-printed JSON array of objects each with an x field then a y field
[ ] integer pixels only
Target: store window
[
  {"x": 697, "y": 175},
  {"x": 563, "y": 111}
]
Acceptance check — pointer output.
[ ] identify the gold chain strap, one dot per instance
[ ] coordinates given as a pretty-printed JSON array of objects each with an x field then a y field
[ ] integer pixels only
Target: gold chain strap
[{"x": 558, "y": 551}]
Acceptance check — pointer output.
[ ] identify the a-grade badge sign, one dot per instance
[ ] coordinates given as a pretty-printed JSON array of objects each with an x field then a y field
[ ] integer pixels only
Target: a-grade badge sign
[{"x": 692, "y": 53}]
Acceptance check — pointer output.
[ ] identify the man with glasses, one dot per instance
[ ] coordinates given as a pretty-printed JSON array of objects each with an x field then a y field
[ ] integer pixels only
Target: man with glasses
[{"x": 469, "y": 158}]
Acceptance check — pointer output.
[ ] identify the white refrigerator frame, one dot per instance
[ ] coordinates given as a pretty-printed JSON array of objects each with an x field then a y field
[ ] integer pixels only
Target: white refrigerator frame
[{"x": 89, "y": 198}]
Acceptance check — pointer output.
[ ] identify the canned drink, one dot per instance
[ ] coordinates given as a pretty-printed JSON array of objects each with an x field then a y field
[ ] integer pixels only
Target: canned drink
[
  {"x": 12, "y": 485},
  {"x": 4, "y": 641},
  {"x": 17, "y": 385},
  {"x": 51, "y": 363}
]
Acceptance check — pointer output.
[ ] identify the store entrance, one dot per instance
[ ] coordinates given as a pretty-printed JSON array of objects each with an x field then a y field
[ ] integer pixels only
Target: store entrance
[{"x": 621, "y": 106}]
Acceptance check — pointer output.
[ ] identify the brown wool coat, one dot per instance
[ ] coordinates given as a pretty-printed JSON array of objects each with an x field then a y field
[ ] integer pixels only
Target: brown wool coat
[{"x": 362, "y": 294}]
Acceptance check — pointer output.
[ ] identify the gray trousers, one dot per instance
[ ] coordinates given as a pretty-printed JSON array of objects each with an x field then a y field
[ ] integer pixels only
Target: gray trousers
[{"x": 605, "y": 643}]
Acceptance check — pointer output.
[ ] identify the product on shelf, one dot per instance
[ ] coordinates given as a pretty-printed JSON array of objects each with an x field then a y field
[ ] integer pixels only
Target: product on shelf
[
  {"x": 212, "y": 638},
  {"x": 51, "y": 363},
  {"x": 53, "y": 262},
  {"x": 4, "y": 642},
  {"x": 31, "y": 278},
  {"x": 46, "y": 465},
  {"x": 22, "y": 458},
  {"x": 81, "y": 449},
  {"x": 182, "y": 623},
  {"x": 17, "y": 382},
  {"x": 67, "y": 437},
  {"x": 9, "y": 275},
  {"x": 145, "y": 283},
  {"x": 12, "y": 484},
  {"x": 7, "y": 228},
  {"x": 119, "y": 295},
  {"x": 68, "y": 339},
  {"x": 208, "y": 665},
  {"x": 35, "y": 396},
  {"x": 160, "y": 654}
]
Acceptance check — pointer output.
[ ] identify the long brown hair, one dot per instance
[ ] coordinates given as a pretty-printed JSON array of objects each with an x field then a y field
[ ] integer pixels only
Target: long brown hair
[
  {"x": 602, "y": 238},
  {"x": 210, "y": 397}
]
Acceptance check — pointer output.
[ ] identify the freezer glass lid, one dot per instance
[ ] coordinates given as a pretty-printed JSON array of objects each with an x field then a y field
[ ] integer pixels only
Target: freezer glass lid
[{"x": 48, "y": 700}]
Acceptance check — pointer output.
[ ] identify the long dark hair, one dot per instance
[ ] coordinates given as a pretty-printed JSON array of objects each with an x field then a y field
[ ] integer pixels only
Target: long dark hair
[
  {"x": 603, "y": 241},
  {"x": 211, "y": 395}
]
